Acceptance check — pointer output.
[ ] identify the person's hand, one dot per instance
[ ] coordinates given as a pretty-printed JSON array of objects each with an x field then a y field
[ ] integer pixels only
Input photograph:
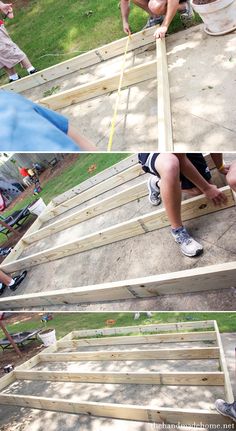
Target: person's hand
[
  {"x": 126, "y": 28},
  {"x": 7, "y": 9},
  {"x": 214, "y": 194},
  {"x": 225, "y": 169},
  {"x": 161, "y": 32}
]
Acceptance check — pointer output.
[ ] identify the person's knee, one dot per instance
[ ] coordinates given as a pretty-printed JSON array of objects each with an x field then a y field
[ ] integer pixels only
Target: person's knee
[
  {"x": 157, "y": 7},
  {"x": 231, "y": 180},
  {"x": 168, "y": 166}
]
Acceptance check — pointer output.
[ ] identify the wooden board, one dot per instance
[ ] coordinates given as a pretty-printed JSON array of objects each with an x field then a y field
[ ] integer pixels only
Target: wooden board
[
  {"x": 164, "y": 121},
  {"x": 221, "y": 276},
  {"x": 90, "y": 58},
  {"x": 132, "y": 193},
  {"x": 150, "y": 378},
  {"x": 191, "y": 208},
  {"x": 102, "y": 86},
  {"x": 229, "y": 396}
]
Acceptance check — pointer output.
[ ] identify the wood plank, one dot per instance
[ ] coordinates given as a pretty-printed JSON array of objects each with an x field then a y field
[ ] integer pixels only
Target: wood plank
[
  {"x": 118, "y": 411},
  {"x": 191, "y": 208},
  {"x": 229, "y": 396},
  {"x": 90, "y": 58},
  {"x": 150, "y": 378},
  {"x": 135, "y": 339},
  {"x": 142, "y": 329},
  {"x": 132, "y": 355},
  {"x": 7, "y": 380},
  {"x": 101, "y": 86},
  {"x": 164, "y": 122},
  {"x": 132, "y": 193},
  {"x": 109, "y": 184},
  {"x": 117, "y": 168},
  {"x": 221, "y": 276}
]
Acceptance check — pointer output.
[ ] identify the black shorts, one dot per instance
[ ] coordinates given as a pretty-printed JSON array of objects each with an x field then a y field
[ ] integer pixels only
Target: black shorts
[{"x": 148, "y": 160}]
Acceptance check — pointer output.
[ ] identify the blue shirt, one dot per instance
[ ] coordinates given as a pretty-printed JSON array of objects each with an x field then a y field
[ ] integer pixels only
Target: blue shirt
[{"x": 26, "y": 126}]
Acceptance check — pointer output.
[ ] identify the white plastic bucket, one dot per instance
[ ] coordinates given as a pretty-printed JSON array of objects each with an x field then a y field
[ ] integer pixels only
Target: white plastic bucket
[
  {"x": 219, "y": 16},
  {"x": 37, "y": 207},
  {"x": 48, "y": 338}
]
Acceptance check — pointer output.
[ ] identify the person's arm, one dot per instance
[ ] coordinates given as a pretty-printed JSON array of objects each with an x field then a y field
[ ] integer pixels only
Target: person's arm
[
  {"x": 125, "y": 10},
  {"x": 6, "y": 8},
  {"x": 172, "y": 7},
  {"x": 83, "y": 142},
  {"x": 209, "y": 190},
  {"x": 219, "y": 163}
]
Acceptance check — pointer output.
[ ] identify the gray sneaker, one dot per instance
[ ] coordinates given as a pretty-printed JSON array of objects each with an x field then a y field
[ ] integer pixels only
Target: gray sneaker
[
  {"x": 152, "y": 21},
  {"x": 187, "y": 14},
  {"x": 154, "y": 191},
  {"x": 188, "y": 245},
  {"x": 226, "y": 409}
]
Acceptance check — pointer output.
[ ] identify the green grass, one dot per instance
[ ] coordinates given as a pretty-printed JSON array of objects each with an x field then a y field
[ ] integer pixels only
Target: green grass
[
  {"x": 70, "y": 177},
  {"x": 67, "y": 322},
  {"x": 52, "y": 31}
]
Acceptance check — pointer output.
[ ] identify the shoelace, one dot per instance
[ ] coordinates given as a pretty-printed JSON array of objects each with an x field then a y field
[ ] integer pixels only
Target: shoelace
[{"x": 184, "y": 237}]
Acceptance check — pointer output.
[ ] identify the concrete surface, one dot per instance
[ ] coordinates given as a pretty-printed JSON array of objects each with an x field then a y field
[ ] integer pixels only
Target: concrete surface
[
  {"x": 19, "y": 419},
  {"x": 148, "y": 254},
  {"x": 202, "y": 81}
]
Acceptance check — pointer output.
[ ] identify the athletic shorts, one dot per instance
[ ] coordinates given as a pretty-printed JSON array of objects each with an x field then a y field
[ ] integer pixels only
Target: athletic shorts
[{"x": 148, "y": 160}]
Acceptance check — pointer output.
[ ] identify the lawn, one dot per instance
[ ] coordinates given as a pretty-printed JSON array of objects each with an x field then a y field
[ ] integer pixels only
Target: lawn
[
  {"x": 67, "y": 322},
  {"x": 52, "y": 31}
]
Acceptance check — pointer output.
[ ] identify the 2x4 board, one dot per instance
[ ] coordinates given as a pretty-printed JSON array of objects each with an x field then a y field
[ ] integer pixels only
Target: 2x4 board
[
  {"x": 195, "y": 280},
  {"x": 122, "y": 339}
]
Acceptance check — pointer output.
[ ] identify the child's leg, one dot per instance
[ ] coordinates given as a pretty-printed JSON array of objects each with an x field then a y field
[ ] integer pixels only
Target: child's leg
[{"x": 28, "y": 66}]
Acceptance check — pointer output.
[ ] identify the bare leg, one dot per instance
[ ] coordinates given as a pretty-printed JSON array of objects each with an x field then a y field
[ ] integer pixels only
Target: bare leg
[
  {"x": 5, "y": 279},
  {"x": 144, "y": 4},
  {"x": 169, "y": 169},
  {"x": 26, "y": 63},
  {"x": 159, "y": 7},
  {"x": 11, "y": 71},
  {"x": 231, "y": 176}
]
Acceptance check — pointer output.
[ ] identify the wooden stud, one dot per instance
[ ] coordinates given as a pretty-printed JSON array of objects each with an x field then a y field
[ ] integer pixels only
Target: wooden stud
[
  {"x": 132, "y": 193},
  {"x": 164, "y": 122},
  {"x": 229, "y": 396},
  {"x": 191, "y": 208},
  {"x": 102, "y": 86},
  {"x": 90, "y": 58}
]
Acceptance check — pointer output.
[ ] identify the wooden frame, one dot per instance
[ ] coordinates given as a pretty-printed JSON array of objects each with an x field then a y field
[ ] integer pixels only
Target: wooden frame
[
  {"x": 137, "y": 74},
  {"x": 121, "y": 411},
  {"x": 194, "y": 280}
]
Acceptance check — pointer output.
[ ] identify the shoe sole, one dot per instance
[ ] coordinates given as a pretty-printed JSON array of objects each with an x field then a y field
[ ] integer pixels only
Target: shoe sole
[
  {"x": 227, "y": 416},
  {"x": 150, "y": 191}
]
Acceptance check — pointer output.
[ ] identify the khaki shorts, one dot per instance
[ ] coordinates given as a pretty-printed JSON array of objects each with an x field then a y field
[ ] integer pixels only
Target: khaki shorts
[{"x": 10, "y": 53}]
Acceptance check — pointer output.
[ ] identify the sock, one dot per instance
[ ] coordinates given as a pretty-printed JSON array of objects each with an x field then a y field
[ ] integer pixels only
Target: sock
[
  {"x": 14, "y": 77},
  {"x": 11, "y": 283},
  {"x": 30, "y": 69}
]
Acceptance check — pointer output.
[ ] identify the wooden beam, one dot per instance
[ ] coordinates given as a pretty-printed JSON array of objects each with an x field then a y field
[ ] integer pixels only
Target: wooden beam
[
  {"x": 118, "y": 411},
  {"x": 143, "y": 329},
  {"x": 132, "y": 355},
  {"x": 117, "y": 168},
  {"x": 221, "y": 276},
  {"x": 7, "y": 380},
  {"x": 164, "y": 122},
  {"x": 229, "y": 396},
  {"x": 97, "y": 88},
  {"x": 150, "y": 378},
  {"x": 130, "y": 340},
  {"x": 90, "y": 58},
  {"x": 97, "y": 190},
  {"x": 191, "y": 208},
  {"x": 132, "y": 193}
]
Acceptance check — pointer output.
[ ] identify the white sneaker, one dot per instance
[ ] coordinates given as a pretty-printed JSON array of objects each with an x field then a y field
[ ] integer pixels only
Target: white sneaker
[
  {"x": 136, "y": 316},
  {"x": 188, "y": 245},
  {"x": 226, "y": 409},
  {"x": 154, "y": 191}
]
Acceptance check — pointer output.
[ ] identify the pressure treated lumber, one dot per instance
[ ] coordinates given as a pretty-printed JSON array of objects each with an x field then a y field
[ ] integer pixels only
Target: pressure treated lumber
[
  {"x": 132, "y": 193},
  {"x": 229, "y": 396},
  {"x": 78, "y": 94},
  {"x": 130, "y": 340},
  {"x": 133, "y": 355},
  {"x": 191, "y": 208},
  {"x": 90, "y": 58},
  {"x": 164, "y": 121},
  {"x": 109, "y": 184},
  {"x": 221, "y": 276},
  {"x": 117, "y": 411},
  {"x": 150, "y": 378},
  {"x": 142, "y": 329}
]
